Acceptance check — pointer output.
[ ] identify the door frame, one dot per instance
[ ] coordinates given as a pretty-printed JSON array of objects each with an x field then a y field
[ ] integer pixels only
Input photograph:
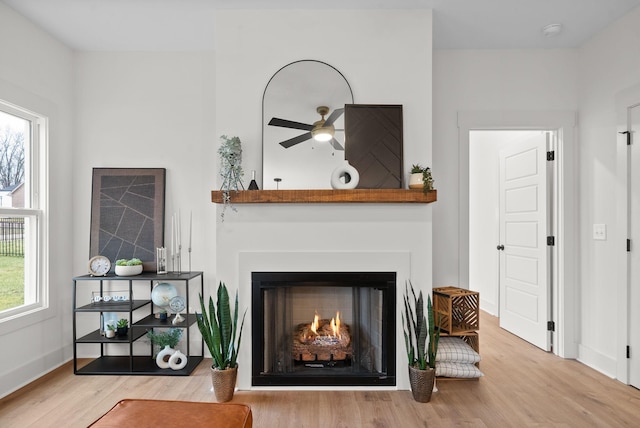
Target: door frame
[
  {"x": 624, "y": 99},
  {"x": 566, "y": 296}
]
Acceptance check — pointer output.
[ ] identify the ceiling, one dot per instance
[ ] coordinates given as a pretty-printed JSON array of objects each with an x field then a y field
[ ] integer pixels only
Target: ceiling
[{"x": 187, "y": 25}]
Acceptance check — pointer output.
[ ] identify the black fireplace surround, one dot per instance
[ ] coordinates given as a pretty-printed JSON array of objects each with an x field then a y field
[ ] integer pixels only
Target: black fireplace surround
[{"x": 282, "y": 302}]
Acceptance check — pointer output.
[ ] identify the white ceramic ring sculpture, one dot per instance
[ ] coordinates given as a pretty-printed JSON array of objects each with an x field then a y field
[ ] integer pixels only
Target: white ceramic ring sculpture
[
  {"x": 345, "y": 177},
  {"x": 162, "y": 359},
  {"x": 177, "y": 361}
]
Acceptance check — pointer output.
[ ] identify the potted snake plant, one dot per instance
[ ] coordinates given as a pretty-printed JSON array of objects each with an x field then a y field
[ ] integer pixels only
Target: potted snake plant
[
  {"x": 421, "y": 340},
  {"x": 219, "y": 329}
]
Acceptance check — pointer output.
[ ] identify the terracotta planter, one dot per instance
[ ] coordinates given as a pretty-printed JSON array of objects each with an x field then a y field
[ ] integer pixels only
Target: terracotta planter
[
  {"x": 421, "y": 383},
  {"x": 224, "y": 383}
]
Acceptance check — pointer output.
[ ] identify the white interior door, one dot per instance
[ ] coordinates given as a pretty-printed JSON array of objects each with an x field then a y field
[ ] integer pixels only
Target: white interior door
[
  {"x": 634, "y": 255},
  {"x": 524, "y": 290}
]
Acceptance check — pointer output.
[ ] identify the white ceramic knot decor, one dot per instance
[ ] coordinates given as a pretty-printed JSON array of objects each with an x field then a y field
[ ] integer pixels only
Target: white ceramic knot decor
[
  {"x": 345, "y": 177},
  {"x": 162, "y": 359},
  {"x": 177, "y": 361}
]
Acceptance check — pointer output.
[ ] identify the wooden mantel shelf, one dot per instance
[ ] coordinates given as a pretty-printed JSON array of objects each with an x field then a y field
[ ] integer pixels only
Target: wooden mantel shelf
[{"x": 327, "y": 196}]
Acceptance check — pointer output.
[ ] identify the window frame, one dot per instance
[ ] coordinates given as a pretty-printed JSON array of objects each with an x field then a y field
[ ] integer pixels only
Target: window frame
[{"x": 34, "y": 214}]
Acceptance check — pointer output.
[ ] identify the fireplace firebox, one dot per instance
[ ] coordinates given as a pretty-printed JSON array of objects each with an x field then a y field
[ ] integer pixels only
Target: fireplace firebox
[{"x": 323, "y": 328}]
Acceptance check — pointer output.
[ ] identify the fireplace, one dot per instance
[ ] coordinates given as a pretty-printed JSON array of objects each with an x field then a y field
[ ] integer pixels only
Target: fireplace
[{"x": 323, "y": 328}]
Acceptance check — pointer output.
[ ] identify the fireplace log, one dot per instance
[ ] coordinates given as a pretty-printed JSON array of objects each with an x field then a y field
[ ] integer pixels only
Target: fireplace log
[{"x": 309, "y": 346}]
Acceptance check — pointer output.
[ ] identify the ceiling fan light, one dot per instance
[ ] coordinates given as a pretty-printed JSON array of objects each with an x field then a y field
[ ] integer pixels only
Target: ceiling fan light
[{"x": 322, "y": 135}]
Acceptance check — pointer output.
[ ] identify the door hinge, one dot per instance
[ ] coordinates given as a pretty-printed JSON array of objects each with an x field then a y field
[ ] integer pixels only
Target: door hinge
[
  {"x": 551, "y": 240},
  {"x": 551, "y": 155},
  {"x": 551, "y": 326},
  {"x": 628, "y": 245},
  {"x": 628, "y": 136},
  {"x": 628, "y": 351}
]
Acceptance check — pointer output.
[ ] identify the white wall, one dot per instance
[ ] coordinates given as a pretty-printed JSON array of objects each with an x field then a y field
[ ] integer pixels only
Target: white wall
[
  {"x": 485, "y": 80},
  {"x": 608, "y": 64},
  {"x": 386, "y": 58},
  {"x": 587, "y": 80},
  {"x": 36, "y": 73},
  {"x": 149, "y": 110}
]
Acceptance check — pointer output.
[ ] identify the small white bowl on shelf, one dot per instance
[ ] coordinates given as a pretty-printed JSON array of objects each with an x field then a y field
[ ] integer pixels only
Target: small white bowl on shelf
[{"x": 128, "y": 270}]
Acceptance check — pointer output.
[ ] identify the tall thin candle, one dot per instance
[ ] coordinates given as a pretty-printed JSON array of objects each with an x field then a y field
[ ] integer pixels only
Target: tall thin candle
[
  {"x": 173, "y": 231},
  {"x": 179, "y": 233}
]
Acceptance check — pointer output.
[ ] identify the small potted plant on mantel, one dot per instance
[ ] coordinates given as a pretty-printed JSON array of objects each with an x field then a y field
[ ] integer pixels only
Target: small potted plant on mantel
[
  {"x": 420, "y": 178},
  {"x": 421, "y": 340}
]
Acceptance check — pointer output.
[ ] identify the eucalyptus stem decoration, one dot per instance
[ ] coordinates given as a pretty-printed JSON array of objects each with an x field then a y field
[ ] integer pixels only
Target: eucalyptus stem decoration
[{"x": 230, "y": 152}]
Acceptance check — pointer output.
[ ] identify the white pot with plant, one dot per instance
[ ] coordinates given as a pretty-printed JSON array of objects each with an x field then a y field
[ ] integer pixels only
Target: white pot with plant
[
  {"x": 110, "y": 331},
  {"x": 420, "y": 178},
  {"x": 415, "y": 178},
  {"x": 129, "y": 267}
]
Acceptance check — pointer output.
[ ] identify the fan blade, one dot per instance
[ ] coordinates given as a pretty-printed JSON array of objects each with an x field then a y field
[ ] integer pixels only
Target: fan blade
[
  {"x": 333, "y": 116},
  {"x": 290, "y": 124},
  {"x": 336, "y": 145},
  {"x": 296, "y": 140}
]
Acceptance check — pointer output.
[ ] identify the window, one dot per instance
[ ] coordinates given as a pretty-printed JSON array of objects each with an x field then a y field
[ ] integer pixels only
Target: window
[{"x": 22, "y": 238}]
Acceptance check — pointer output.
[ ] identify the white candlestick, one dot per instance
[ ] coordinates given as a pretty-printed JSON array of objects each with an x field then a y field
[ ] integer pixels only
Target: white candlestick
[
  {"x": 179, "y": 234},
  {"x": 190, "y": 228},
  {"x": 173, "y": 226}
]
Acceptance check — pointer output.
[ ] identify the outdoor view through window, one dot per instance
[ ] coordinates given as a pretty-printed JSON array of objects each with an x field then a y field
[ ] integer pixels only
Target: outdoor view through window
[{"x": 15, "y": 134}]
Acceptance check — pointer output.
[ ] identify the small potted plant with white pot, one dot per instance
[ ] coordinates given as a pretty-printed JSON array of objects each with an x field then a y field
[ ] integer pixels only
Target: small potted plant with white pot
[
  {"x": 420, "y": 178},
  {"x": 128, "y": 267},
  {"x": 110, "y": 331}
]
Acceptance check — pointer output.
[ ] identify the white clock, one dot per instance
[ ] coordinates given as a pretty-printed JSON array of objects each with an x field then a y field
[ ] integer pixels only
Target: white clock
[{"x": 99, "y": 266}]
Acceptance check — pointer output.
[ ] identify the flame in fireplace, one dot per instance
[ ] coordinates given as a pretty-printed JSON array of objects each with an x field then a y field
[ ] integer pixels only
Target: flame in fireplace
[
  {"x": 315, "y": 324},
  {"x": 335, "y": 326}
]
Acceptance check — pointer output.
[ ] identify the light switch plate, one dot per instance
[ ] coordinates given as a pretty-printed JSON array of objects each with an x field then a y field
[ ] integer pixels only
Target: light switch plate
[{"x": 600, "y": 232}]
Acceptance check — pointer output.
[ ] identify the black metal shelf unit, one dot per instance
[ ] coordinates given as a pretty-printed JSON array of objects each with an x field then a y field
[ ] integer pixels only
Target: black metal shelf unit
[{"x": 131, "y": 364}]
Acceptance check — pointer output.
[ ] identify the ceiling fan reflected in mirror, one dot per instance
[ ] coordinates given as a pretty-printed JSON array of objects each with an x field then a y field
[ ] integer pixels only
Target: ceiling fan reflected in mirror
[{"x": 321, "y": 130}]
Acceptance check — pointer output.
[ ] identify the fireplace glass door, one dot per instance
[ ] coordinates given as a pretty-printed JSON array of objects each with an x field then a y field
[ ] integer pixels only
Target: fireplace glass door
[{"x": 323, "y": 328}]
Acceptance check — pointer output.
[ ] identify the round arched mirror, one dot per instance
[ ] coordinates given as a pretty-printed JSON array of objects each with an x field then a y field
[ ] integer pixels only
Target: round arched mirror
[{"x": 303, "y": 125}]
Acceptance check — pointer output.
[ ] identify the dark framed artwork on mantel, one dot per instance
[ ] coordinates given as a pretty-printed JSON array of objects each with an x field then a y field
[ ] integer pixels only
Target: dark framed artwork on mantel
[
  {"x": 373, "y": 144},
  {"x": 127, "y": 213}
]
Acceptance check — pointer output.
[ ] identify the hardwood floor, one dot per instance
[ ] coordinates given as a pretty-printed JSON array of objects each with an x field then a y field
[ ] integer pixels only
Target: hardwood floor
[{"x": 522, "y": 387}]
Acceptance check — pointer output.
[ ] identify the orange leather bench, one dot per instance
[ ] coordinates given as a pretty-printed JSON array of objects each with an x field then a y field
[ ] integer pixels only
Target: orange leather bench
[{"x": 167, "y": 413}]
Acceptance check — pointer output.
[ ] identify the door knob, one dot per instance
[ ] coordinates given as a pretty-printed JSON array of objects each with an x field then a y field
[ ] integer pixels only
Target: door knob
[{"x": 501, "y": 247}]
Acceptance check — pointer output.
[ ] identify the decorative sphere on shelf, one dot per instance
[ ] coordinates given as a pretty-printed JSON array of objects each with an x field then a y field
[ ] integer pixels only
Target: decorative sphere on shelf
[{"x": 162, "y": 294}]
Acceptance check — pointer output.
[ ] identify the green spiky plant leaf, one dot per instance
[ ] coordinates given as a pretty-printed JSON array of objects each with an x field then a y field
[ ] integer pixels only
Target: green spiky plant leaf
[
  {"x": 420, "y": 333},
  {"x": 219, "y": 330}
]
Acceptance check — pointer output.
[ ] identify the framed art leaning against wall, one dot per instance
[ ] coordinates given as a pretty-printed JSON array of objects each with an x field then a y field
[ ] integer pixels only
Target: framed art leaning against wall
[{"x": 127, "y": 214}]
